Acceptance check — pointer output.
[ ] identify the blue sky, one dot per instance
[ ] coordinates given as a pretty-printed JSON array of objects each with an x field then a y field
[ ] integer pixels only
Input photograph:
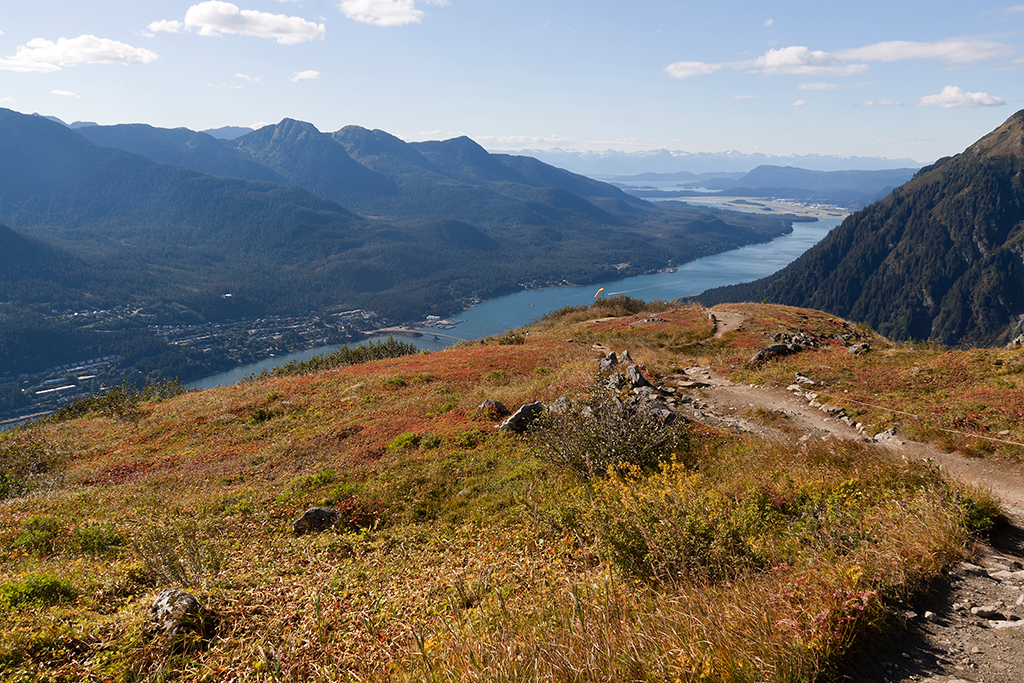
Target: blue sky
[{"x": 910, "y": 79}]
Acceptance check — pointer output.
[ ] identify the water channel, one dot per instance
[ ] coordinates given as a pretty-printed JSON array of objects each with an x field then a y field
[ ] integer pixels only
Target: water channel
[{"x": 497, "y": 315}]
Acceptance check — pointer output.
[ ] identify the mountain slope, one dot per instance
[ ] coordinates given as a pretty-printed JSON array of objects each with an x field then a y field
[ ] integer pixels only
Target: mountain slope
[
  {"x": 306, "y": 157},
  {"x": 940, "y": 258},
  {"x": 181, "y": 147}
]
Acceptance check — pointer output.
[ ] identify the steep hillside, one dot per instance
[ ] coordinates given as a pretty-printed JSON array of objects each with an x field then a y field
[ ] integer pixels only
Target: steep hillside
[
  {"x": 181, "y": 147},
  {"x": 308, "y": 158},
  {"x": 940, "y": 258},
  {"x": 606, "y": 538}
]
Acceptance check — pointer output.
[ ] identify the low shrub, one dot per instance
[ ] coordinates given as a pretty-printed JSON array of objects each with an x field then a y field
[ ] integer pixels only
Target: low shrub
[
  {"x": 345, "y": 355},
  {"x": 602, "y": 433},
  {"x": 179, "y": 552},
  {"x": 97, "y": 539},
  {"x": 37, "y": 590},
  {"x": 39, "y": 535}
]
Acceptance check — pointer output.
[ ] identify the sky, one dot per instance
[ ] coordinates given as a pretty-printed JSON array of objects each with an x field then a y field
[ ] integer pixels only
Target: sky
[{"x": 915, "y": 80}]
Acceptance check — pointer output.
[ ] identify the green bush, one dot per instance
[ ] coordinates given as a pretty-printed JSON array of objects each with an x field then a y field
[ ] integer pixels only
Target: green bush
[
  {"x": 40, "y": 535},
  {"x": 37, "y": 589},
  {"x": 404, "y": 442},
  {"x": 121, "y": 402},
  {"x": 345, "y": 355},
  {"x": 179, "y": 552},
  {"x": 97, "y": 539}
]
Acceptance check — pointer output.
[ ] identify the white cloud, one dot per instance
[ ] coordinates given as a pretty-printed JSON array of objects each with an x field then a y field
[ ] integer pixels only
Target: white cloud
[
  {"x": 690, "y": 69},
  {"x": 744, "y": 97},
  {"x": 6, "y": 99},
  {"x": 63, "y": 93},
  {"x": 385, "y": 12},
  {"x": 800, "y": 103},
  {"x": 769, "y": 23},
  {"x": 308, "y": 75},
  {"x": 832, "y": 86},
  {"x": 250, "y": 79},
  {"x": 802, "y": 61},
  {"x": 879, "y": 103},
  {"x": 952, "y": 96},
  {"x": 165, "y": 26},
  {"x": 214, "y": 18},
  {"x": 502, "y": 141},
  {"x": 951, "y": 51},
  {"x": 41, "y": 55},
  {"x": 1016, "y": 9}
]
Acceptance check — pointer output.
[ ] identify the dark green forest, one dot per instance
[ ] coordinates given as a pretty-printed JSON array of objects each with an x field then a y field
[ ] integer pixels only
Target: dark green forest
[{"x": 938, "y": 259}]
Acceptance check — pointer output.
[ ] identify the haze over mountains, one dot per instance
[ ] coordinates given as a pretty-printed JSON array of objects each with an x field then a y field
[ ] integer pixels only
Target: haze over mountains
[{"x": 941, "y": 258}]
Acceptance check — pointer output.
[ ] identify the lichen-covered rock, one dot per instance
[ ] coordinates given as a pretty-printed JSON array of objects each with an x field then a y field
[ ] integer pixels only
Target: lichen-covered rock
[
  {"x": 608, "y": 363},
  {"x": 858, "y": 349},
  {"x": 175, "y": 612},
  {"x": 521, "y": 419},
  {"x": 636, "y": 378},
  {"x": 315, "y": 519}
]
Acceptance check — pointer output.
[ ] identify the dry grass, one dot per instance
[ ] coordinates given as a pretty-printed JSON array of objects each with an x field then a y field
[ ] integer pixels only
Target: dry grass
[{"x": 464, "y": 557}]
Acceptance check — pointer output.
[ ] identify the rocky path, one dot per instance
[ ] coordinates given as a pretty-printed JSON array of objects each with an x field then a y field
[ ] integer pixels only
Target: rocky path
[{"x": 970, "y": 629}]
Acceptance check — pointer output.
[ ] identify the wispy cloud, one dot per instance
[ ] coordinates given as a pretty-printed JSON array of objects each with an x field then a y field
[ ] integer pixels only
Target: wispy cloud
[
  {"x": 41, "y": 55},
  {"x": 800, "y": 60},
  {"x": 800, "y": 103},
  {"x": 879, "y": 103},
  {"x": 950, "y": 51},
  {"x": 833, "y": 86},
  {"x": 1015, "y": 9},
  {"x": 952, "y": 96},
  {"x": 215, "y": 18},
  {"x": 249, "y": 79},
  {"x": 743, "y": 97},
  {"x": 386, "y": 12},
  {"x": 769, "y": 22},
  {"x": 308, "y": 75},
  {"x": 63, "y": 93}
]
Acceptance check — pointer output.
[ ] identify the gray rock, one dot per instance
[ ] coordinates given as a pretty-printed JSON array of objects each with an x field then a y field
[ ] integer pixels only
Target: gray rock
[
  {"x": 315, "y": 519},
  {"x": 636, "y": 378},
  {"x": 521, "y": 419},
  {"x": 858, "y": 349},
  {"x": 560, "y": 406},
  {"x": 776, "y": 351},
  {"x": 988, "y": 612},
  {"x": 494, "y": 408},
  {"x": 608, "y": 363},
  {"x": 887, "y": 434},
  {"x": 661, "y": 411},
  {"x": 624, "y": 357},
  {"x": 175, "y": 612},
  {"x": 616, "y": 382}
]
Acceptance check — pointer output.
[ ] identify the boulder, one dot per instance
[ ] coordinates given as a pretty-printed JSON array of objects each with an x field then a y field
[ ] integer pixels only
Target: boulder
[
  {"x": 624, "y": 357},
  {"x": 175, "y": 612},
  {"x": 858, "y": 349},
  {"x": 661, "y": 411},
  {"x": 636, "y": 378},
  {"x": 521, "y": 419},
  {"x": 616, "y": 381},
  {"x": 560, "y": 406},
  {"x": 776, "y": 351},
  {"x": 315, "y": 519},
  {"x": 608, "y": 363}
]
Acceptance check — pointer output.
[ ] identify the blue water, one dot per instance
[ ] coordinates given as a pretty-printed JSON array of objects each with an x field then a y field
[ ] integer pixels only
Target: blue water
[{"x": 497, "y": 315}]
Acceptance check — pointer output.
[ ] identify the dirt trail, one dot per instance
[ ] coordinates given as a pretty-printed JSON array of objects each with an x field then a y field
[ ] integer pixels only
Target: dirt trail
[{"x": 954, "y": 643}]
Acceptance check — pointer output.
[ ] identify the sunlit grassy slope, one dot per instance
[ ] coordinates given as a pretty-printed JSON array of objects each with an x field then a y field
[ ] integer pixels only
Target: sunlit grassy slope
[{"x": 464, "y": 554}]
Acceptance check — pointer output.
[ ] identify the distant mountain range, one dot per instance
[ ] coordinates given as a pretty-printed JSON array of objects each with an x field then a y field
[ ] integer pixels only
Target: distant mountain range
[
  {"x": 850, "y": 189},
  {"x": 612, "y": 163},
  {"x": 941, "y": 258},
  {"x": 290, "y": 219}
]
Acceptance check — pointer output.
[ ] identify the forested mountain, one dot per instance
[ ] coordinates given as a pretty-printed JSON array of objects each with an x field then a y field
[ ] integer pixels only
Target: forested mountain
[
  {"x": 95, "y": 227},
  {"x": 940, "y": 258},
  {"x": 182, "y": 147}
]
